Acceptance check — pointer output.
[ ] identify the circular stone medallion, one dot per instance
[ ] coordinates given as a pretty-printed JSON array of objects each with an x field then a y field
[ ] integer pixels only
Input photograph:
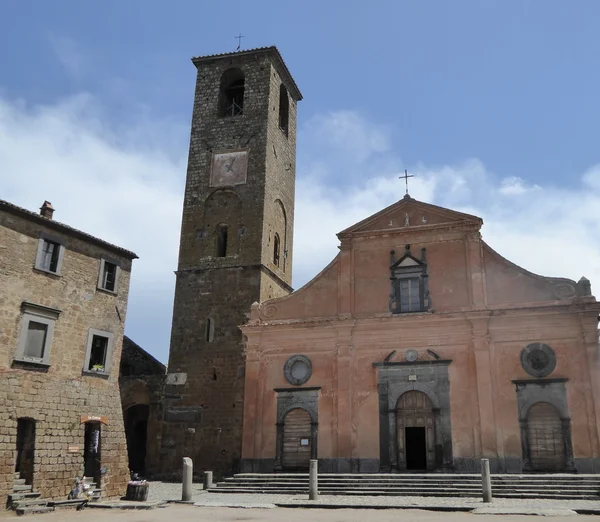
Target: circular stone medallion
[
  {"x": 297, "y": 369},
  {"x": 538, "y": 359},
  {"x": 411, "y": 355}
]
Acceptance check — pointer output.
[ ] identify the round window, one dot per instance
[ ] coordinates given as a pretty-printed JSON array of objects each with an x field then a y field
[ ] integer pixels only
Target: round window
[
  {"x": 297, "y": 369},
  {"x": 538, "y": 359}
]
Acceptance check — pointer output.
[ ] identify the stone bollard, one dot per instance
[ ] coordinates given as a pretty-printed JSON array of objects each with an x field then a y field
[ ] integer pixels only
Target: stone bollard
[
  {"x": 208, "y": 483},
  {"x": 186, "y": 486},
  {"x": 313, "y": 481},
  {"x": 486, "y": 480}
]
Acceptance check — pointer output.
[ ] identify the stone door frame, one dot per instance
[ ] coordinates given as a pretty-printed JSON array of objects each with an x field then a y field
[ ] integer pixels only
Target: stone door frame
[
  {"x": 393, "y": 381},
  {"x": 289, "y": 399},
  {"x": 553, "y": 392}
]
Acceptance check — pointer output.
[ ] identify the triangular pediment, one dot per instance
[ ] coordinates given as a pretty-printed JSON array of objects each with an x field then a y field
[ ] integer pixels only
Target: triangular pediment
[{"x": 410, "y": 213}]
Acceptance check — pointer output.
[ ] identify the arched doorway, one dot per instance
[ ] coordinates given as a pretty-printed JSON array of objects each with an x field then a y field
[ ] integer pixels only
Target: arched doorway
[
  {"x": 296, "y": 440},
  {"x": 545, "y": 438},
  {"x": 416, "y": 432},
  {"x": 136, "y": 433}
]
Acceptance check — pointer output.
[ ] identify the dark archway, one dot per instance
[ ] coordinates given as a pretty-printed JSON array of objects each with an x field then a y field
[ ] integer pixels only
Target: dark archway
[
  {"x": 416, "y": 431},
  {"x": 136, "y": 432},
  {"x": 24, "y": 464}
]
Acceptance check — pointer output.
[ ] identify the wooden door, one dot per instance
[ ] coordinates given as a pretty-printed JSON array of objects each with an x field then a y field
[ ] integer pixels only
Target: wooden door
[
  {"x": 415, "y": 410},
  {"x": 296, "y": 440},
  {"x": 545, "y": 438}
]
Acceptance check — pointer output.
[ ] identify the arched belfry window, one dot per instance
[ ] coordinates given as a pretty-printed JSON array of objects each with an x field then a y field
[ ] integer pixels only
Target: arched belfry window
[
  {"x": 284, "y": 109},
  {"x": 410, "y": 289},
  {"x": 231, "y": 95},
  {"x": 276, "y": 243},
  {"x": 221, "y": 241}
]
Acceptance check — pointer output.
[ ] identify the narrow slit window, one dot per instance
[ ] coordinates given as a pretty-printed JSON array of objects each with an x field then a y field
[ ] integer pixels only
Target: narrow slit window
[
  {"x": 222, "y": 241},
  {"x": 276, "y": 243},
  {"x": 210, "y": 330},
  {"x": 284, "y": 109}
]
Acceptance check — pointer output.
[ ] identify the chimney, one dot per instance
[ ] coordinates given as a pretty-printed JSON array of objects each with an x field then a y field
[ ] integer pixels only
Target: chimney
[{"x": 46, "y": 210}]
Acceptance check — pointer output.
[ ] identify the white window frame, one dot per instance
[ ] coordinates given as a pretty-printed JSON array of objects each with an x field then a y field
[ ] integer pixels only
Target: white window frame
[
  {"x": 103, "y": 262},
  {"x": 88, "y": 352},
  {"x": 39, "y": 314},
  {"x": 40, "y": 249}
]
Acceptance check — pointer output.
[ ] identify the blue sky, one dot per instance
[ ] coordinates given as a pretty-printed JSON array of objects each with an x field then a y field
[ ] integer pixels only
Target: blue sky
[{"x": 493, "y": 104}]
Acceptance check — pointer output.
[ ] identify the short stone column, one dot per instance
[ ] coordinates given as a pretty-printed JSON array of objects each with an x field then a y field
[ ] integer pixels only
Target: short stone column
[
  {"x": 186, "y": 485},
  {"x": 208, "y": 480},
  {"x": 313, "y": 481},
  {"x": 486, "y": 480}
]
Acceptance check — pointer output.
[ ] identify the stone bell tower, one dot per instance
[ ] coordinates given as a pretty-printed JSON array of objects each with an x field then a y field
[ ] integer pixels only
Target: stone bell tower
[{"x": 235, "y": 249}]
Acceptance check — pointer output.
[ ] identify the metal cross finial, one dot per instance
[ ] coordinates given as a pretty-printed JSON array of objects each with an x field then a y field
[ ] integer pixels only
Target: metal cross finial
[
  {"x": 405, "y": 177},
  {"x": 239, "y": 39}
]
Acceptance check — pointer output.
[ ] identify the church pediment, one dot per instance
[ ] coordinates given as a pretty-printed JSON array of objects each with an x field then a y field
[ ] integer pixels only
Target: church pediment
[{"x": 410, "y": 213}]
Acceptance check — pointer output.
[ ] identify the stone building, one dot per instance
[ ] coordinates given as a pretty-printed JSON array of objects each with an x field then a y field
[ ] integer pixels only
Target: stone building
[
  {"x": 236, "y": 248},
  {"x": 141, "y": 380},
  {"x": 420, "y": 348},
  {"x": 62, "y": 309}
]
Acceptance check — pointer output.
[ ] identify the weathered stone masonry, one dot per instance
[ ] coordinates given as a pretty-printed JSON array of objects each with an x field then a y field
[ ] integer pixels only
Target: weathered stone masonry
[
  {"x": 203, "y": 411},
  {"x": 59, "y": 396}
]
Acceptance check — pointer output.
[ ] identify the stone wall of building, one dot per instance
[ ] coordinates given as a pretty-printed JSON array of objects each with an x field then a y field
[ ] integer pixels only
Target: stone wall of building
[{"x": 60, "y": 396}]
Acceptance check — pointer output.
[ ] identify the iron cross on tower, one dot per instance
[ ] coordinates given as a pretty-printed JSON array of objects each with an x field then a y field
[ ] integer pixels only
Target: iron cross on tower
[
  {"x": 405, "y": 177},
  {"x": 239, "y": 39}
]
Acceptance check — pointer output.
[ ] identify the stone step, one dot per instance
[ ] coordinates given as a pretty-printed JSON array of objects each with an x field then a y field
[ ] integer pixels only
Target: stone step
[
  {"x": 17, "y": 475},
  {"x": 19, "y": 482},
  {"x": 427, "y": 476},
  {"x": 17, "y": 488},
  {"x": 76, "y": 503},
  {"x": 14, "y": 497},
  {"x": 34, "y": 509},
  {"x": 413, "y": 484},
  {"x": 26, "y": 503},
  {"x": 445, "y": 493},
  {"x": 538, "y": 490}
]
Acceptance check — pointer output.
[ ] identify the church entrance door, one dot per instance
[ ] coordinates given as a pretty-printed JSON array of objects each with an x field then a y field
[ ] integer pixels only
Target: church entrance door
[
  {"x": 545, "y": 438},
  {"x": 416, "y": 432},
  {"x": 296, "y": 440}
]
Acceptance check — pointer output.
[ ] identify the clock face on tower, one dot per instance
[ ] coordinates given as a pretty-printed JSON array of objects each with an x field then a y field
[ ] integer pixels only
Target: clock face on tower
[{"x": 229, "y": 168}]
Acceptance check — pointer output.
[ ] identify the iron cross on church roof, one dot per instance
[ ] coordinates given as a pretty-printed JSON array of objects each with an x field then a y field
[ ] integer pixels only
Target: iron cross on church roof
[
  {"x": 239, "y": 39},
  {"x": 405, "y": 177}
]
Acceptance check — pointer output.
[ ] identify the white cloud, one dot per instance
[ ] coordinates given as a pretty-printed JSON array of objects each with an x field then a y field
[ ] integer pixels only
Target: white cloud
[
  {"x": 105, "y": 184},
  {"x": 125, "y": 185}
]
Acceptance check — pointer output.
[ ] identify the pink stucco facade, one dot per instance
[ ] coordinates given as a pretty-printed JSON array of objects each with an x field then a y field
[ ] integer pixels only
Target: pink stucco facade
[{"x": 480, "y": 313}]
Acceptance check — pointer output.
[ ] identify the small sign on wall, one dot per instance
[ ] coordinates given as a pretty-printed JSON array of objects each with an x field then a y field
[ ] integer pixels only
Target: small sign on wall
[
  {"x": 73, "y": 449},
  {"x": 412, "y": 377},
  {"x": 304, "y": 442},
  {"x": 94, "y": 418}
]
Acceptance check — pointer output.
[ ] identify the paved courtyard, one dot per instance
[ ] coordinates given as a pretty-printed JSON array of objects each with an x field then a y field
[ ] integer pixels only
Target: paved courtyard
[
  {"x": 171, "y": 491},
  {"x": 184, "y": 513}
]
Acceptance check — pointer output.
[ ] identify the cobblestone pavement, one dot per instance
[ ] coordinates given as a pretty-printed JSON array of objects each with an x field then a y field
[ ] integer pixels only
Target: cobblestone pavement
[
  {"x": 182, "y": 513},
  {"x": 171, "y": 491}
]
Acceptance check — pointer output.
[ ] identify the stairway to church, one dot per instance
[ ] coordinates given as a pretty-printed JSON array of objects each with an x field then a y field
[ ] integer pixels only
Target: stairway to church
[{"x": 551, "y": 486}]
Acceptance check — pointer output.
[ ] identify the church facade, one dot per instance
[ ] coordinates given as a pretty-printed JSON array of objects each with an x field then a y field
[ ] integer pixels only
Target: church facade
[
  {"x": 420, "y": 348},
  {"x": 417, "y": 348}
]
